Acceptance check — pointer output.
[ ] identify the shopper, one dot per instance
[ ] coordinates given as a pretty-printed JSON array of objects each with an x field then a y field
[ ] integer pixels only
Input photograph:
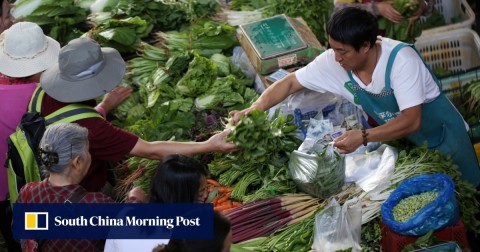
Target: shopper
[
  {"x": 389, "y": 81},
  {"x": 65, "y": 159},
  {"x": 177, "y": 179},
  {"x": 85, "y": 71},
  {"x": 25, "y": 52}
]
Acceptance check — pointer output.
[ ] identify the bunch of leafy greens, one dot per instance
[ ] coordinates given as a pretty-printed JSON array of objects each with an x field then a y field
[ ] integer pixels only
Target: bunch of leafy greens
[
  {"x": 60, "y": 19},
  {"x": 260, "y": 169},
  {"x": 167, "y": 14},
  {"x": 206, "y": 37},
  {"x": 201, "y": 74},
  {"x": 404, "y": 30},
  {"x": 122, "y": 34}
]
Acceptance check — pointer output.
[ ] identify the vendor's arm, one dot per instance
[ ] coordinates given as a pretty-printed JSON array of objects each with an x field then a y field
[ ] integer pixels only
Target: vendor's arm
[
  {"x": 159, "y": 149},
  {"x": 406, "y": 123},
  {"x": 273, "y": 95}
]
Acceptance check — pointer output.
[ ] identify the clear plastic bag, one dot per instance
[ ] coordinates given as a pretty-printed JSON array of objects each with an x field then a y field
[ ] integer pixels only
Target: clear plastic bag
[
  {"x": 320, "y": 175},
  {"x": 370, "y": 166},
  {"x": 338, "y": 227}
]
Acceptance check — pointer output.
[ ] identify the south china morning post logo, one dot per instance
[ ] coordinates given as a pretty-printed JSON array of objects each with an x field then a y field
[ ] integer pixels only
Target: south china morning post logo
[
  {"x": 36, "y": 220},
  {"x": 112, "y": 221}
]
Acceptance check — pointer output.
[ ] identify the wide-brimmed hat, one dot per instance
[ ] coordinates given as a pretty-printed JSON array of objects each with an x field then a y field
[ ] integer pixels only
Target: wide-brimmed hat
[
  {"x": 25, "y": 50},
  {"x": 84, "y": 71}
]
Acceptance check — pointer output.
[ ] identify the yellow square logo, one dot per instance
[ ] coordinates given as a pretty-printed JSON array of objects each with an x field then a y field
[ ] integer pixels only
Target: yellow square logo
[{"x": 36, "y": 220}]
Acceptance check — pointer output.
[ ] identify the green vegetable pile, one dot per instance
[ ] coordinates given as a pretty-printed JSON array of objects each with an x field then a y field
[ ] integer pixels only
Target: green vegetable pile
[
  {"x": 204, "y": 36},
  {"x": 122, "y": 34},
  {"x": 371, "y": 236},
  {"x": 260, "y": 169},
  {"x": 257, "y": 135},
  {"x": 60, "y": 19},
  {"x": 409, "y": 206},
  {"x": 296, "y": 237}
]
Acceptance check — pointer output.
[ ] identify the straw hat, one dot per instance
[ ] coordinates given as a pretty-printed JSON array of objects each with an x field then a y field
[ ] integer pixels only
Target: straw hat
[
  {"x": 25, "y": 50},
  {"x": 84, "y": 71}
]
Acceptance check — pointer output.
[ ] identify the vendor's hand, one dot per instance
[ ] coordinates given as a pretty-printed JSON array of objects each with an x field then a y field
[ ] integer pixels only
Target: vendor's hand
[
  {"x": 349, "y": 141},
  {"x": 115, "y": 97},
  {"x": 137, "y": 194},
  {"x": 386, "y": 10},
  {"x": 236, "y": 115},
  {"x": 218, "y": 144}
]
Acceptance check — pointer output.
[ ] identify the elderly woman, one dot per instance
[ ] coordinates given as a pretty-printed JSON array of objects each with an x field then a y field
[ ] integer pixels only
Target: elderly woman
[{"x": 65, "y": 158}]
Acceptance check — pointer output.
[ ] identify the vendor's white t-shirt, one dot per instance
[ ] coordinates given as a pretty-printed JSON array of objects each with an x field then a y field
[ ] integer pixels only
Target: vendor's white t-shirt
[{"x": 410, "y": 79}]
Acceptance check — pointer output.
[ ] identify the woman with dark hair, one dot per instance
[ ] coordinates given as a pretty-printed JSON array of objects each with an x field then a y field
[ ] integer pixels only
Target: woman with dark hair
[
  {"x": 221, "y": 242},
  {"x": 178, "y": 179}
]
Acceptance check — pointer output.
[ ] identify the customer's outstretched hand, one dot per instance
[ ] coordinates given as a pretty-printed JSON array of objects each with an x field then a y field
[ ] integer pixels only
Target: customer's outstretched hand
[
  {"x": 218, "y": 143},
  {"x": 115, "y": 97}
]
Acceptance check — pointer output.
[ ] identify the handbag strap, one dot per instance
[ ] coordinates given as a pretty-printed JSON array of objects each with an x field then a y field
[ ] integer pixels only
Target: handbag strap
[{"x": 77, "y": 195}]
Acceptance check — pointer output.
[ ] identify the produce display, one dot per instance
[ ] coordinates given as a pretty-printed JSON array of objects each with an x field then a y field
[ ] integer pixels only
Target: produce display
[{"x": 180, "y": 67}]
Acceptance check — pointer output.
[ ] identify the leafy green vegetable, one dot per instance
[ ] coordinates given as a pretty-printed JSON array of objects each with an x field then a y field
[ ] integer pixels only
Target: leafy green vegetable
[
  {"x": 200, "y": 76},
  {"x": 167, "y": 15},
  {"x": 260, "y": 169},
  {"x": 206, "y": 37},
  {"x": 404, "y": 30},
  {"x": 371, "y": 236},
  {"x": 121, "y": 34},
  {"x": 59, "y": 19}
]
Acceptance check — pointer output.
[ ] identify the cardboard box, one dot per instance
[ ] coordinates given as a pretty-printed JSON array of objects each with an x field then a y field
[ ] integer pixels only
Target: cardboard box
[{"x": 278, "y": 42}]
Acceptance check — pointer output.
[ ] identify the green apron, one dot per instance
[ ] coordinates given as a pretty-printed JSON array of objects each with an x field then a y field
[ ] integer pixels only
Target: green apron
[{"x": 442, "y": 126}]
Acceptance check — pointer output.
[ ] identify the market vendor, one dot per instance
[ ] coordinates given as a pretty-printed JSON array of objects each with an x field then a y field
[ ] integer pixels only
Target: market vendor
[{"x": 389, "y": 81}]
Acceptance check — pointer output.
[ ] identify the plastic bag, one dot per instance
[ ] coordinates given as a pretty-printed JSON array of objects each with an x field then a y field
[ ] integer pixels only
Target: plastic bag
[
  {"x": 320, "y": 175},
  {"x": 441, "y": 212},
  {"x": 307, "y": 100},
  {"x": 370, "y": 166},
  {"x": 338, "y": 227}
]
